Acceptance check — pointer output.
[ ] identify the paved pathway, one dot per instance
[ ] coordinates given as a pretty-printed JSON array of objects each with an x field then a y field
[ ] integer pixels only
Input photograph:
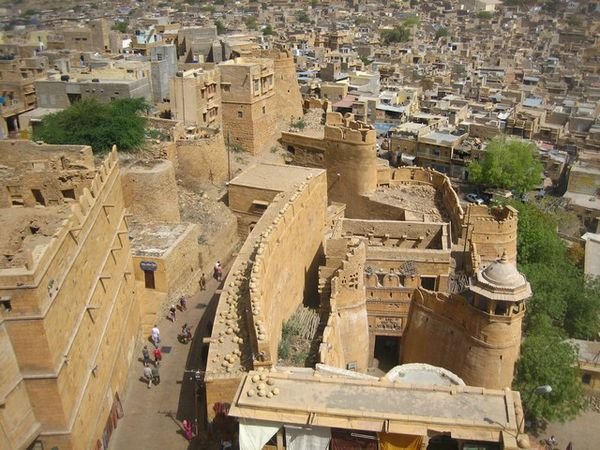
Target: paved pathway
[
  {"x": 583, "y": 432},
  {"x": 153, "y": 416}
]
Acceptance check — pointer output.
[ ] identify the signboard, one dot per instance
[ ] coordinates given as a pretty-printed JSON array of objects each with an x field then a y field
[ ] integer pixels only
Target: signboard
[{"x": 148, "y": 265}]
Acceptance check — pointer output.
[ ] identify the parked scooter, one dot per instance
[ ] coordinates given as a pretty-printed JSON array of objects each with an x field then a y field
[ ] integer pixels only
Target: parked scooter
[{"x": 186, "y": 334}]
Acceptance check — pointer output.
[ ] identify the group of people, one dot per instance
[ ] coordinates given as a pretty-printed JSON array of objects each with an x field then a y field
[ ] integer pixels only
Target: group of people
[
  {"x": 151, "y": 367},
  {"x": 151, "y": 372},
  {"x": 182, "y": 307}
]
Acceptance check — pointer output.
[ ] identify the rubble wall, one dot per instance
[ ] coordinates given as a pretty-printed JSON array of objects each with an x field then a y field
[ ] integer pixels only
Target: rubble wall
[{"x": 265, "y": 285}]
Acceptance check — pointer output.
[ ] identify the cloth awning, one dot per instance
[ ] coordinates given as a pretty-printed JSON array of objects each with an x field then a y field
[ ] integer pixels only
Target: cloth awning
[
  {"x": 254, "y": 434},
  {"x": 304, "y": 437}
]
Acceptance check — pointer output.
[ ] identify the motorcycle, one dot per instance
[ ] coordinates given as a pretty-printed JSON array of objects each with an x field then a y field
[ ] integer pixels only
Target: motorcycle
[{"x": 186, "y": 334}]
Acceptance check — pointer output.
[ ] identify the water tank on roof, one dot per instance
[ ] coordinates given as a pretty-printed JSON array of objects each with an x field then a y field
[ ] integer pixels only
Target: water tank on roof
[{"x": 64, "y": 78}]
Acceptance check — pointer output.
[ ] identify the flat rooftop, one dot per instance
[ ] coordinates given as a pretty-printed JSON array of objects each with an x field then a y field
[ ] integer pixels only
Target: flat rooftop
[
  {"x": 27, "y": 231},
  {"x": 274, "y": 177},
  {"x": 154, "y": 239},
  {"x": 588, "y": 351},
  {"x": 465, "y": 411}
]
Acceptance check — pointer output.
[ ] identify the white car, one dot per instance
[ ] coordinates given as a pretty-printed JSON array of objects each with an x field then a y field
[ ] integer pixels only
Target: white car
[{"x": 472, "y": 198}]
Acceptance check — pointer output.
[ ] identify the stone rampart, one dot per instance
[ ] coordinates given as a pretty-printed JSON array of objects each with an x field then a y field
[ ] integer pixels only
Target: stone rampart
[
  {"x": 347, "y": 335},
  {"x": 202, "y": 158},
  {"x": 147, "y": 184},
  {"x": 447, "y": 331},
  {"x": 442, "y": 184},
  {"x": 267, "y": 282}
]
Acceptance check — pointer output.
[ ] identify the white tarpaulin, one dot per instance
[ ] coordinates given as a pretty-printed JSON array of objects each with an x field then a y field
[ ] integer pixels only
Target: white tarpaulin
[
  {"x": 254, "y": 434},
  {"x": 304, "y": 437}
]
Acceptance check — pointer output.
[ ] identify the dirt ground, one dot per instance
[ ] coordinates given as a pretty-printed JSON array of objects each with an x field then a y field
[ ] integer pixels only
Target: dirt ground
[{"x": 416, "y": 199}]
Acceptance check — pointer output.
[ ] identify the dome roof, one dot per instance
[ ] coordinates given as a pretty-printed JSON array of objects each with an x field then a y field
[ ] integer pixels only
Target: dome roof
[
  {"x": 501, "y": 281},
  {"x": 503, "y": 273}
]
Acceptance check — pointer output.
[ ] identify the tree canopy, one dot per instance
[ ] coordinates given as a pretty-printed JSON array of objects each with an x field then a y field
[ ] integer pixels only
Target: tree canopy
[
  {"x": 397, "y": 34},
  {"x": 508, "y": 164},
  {"x": 267, "y": 30},
  {"x": 546, "y": 358},
  {"x": 99, "y": 125},
  {"x": 564, "y": 305}
]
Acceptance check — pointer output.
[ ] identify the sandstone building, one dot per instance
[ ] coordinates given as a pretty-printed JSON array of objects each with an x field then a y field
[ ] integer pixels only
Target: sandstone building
[
  {"x": 195, "y": 97},
  {"x": 249, "y": 108},
  {"x": 68, "y": 291}
]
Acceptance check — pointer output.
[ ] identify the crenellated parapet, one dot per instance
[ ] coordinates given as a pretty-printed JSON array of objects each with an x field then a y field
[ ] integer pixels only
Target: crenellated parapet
[
  {"x": 346, "y": 129},
  {"x": 342, "y": 285}
]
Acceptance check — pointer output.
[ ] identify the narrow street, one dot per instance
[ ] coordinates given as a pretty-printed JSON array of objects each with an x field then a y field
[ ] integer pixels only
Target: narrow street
[{"x": 152, "y": 417}]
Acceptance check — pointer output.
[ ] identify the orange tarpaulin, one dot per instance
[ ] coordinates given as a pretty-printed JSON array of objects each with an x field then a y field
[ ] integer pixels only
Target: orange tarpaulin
[{"x": 389, "y": 441}]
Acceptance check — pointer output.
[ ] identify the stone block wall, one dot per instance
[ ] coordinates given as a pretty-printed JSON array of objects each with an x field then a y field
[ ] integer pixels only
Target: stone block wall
[
  {"x": 147, "y": 184},
  {"x": 265, "y": 285},
  {"x": 447, "y": 331},
  {"x": 202, "y": 158},
  {"x": 493, "y": 231},
  {"x": 349, "y": 330},
  {"x": 442, "y": 184},
  {"x": 18, "y": 424},
  {"x": 75, "y": 316}
]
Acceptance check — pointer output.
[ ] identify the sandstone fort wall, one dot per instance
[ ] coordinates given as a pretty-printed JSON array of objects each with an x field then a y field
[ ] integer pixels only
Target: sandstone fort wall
[
  {"x": 480, "y": 348},
  {"x": 73, "y": 305}
]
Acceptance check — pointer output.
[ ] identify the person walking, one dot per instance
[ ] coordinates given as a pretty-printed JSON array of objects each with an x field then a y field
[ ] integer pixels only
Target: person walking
[
  {"x": 183, "y": 303},
  {"x": 148, "y": 375},
  {"x": 202, "y": 282},
  {"x": 157, "y": 356},
  {"x": 173, "y": 313},
  {"x": 155, "y": 334},
  {"x": 155, "y": 375},
  {"x": 146, "y": 355},
  {"x": 218, "y": 271}
]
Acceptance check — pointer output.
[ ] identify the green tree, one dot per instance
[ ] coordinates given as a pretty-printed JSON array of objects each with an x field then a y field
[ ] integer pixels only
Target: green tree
[
  {"x": 508, "y": 164},
  {"x": 441, "y": 32},
  {"x": 250, "y": 22},
  {"x": 99, "y": 125},
  {"x": 561, "y": 293},
  {"x": 121, "y": 27},
  {"x": 314, "y": 3},
  {"x": 546, "y": 358},
  {"x": 268, "y": 30},
  {"x": 485, "y": 15},
  {"x": 411, "y": 21},
  {"x": 302, "y": 17},
  {"x": 220, "y": 27},
  {"x": 397, "y": 34},
  {"x": 366, "y": 61}
]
